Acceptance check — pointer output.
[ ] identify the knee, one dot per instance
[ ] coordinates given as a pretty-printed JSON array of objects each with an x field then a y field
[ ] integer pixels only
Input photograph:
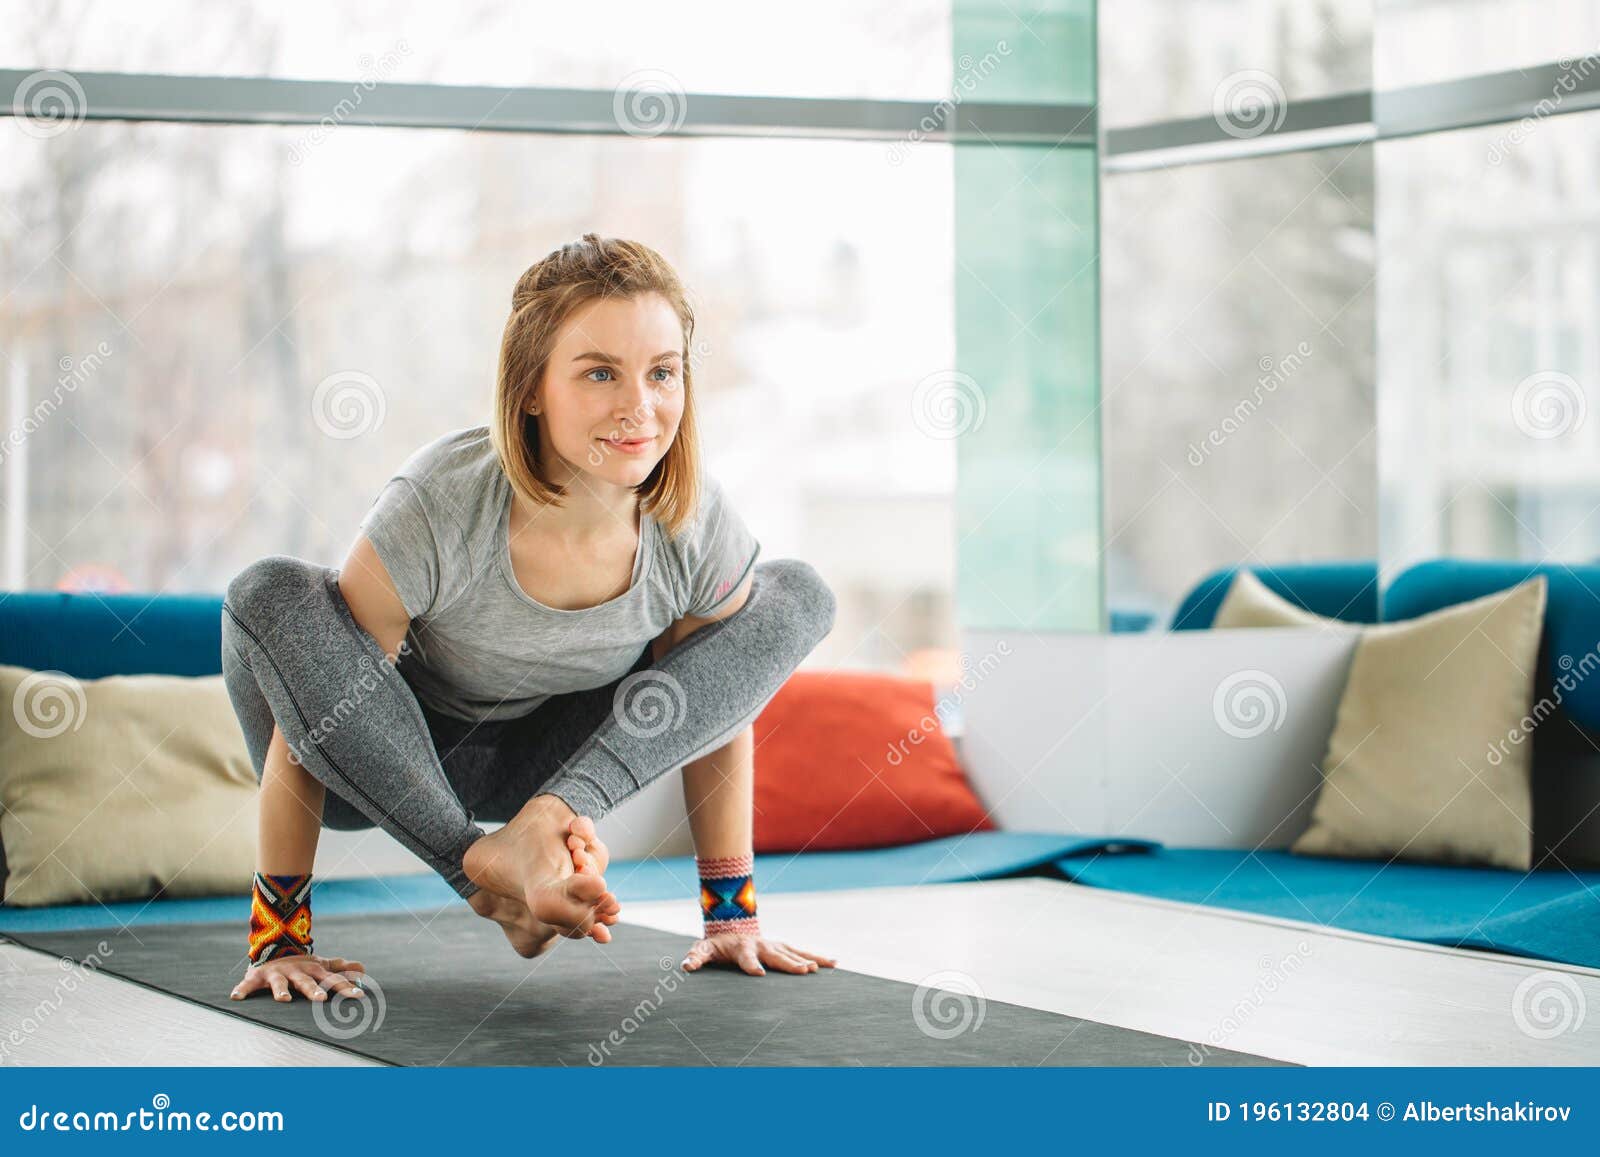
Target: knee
[
  {"x": 812, "y": 599},
  {"x": 262, "y": 591}
]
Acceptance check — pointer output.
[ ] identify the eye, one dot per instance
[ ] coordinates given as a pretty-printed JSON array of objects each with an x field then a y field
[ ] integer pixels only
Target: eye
[
  {"x": 597, "y": 370},
  {"x": 667, "y": 370}
]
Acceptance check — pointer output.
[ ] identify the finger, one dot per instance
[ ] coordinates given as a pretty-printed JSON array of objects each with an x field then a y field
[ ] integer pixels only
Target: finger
[
  {"x": 582, "y": 827},
  {"x": 280, "y": 986},
  {"x": 340, "y": 964},
  {"x": 601, "y": 934},
  {"x": 825, "y": 961},
  {"x": 251, "y": 982},
  {"x": 345, "y": 985},
  {"x": 697, "y": 955},
  {"x": 749, "y": 958},
  {"x": 306, "y": 982},
  {"x": 788, "y": 961}
]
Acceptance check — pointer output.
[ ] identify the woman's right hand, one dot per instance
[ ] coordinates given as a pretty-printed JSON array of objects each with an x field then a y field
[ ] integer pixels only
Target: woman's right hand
[{"x": 314, "y": 976}]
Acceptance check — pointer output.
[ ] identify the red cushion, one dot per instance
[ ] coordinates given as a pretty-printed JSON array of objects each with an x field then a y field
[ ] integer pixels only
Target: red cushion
[{"x": 847, "y": 759}]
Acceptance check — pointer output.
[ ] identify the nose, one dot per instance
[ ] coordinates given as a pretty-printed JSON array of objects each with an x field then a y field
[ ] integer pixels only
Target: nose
[{"x": 638, "y": 400}]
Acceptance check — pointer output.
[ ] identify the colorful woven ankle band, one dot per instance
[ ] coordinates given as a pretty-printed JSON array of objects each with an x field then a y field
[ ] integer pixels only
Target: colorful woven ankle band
[
  {"x": 728, "y": 895},
  {"x": 280, "y": 917}
]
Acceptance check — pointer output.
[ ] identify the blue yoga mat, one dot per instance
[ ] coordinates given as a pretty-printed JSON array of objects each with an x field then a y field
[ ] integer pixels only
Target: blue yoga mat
[
  {"x": 1550, "y": 914},
  {"x": 978, "y": 856}
]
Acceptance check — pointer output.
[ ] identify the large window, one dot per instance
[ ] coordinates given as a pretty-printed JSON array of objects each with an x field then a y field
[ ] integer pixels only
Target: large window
[{"x": 218, "y": 352}]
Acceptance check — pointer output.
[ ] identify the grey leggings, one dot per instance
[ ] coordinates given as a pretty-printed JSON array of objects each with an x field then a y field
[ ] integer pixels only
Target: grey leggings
[{"x": 292, "y": 652}]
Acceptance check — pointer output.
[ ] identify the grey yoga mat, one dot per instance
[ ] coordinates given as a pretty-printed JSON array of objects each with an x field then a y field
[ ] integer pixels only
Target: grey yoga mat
[{"x": 446, "y": 989}]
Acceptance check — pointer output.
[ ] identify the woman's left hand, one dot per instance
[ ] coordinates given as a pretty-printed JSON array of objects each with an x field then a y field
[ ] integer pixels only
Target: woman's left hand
[{"x": 751, "y": 953}]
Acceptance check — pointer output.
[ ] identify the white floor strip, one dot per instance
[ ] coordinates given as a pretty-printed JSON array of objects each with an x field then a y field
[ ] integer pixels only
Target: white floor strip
[
  {"x": 1274, "y": 988},
  {"x": 55, "y": 1015}
]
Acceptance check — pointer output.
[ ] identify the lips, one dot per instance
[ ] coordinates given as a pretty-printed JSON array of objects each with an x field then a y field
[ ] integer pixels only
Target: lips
[{"x": 629, "y": 446}]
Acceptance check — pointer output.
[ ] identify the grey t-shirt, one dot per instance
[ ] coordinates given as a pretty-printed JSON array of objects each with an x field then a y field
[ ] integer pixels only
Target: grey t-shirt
[{"x": 480, "y": 647}]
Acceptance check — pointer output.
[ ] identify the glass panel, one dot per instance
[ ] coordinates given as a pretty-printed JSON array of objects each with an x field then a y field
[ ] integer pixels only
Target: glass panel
[
  {"x": 227, "y": 285},
  {"x": 1022, "y": 395},
  {"x": 829, "y": 48},
  {"x": 1025, "y": 392},
  {"x": 1419, "y": 41},
  {"x": 1488, "y": 350},
  {"x": 1238, "y": 397},
  {"x": 1166, "y": 59}
]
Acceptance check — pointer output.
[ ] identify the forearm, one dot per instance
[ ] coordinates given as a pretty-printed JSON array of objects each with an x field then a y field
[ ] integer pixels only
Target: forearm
[
  {"x": 290, "y": 817},
  {"x": 719, "y": 791},
  {"x": 719, "y": 794}
]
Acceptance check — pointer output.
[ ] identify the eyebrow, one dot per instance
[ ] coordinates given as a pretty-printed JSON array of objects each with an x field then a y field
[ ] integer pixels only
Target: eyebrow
[{"x": 597, "y": 356}]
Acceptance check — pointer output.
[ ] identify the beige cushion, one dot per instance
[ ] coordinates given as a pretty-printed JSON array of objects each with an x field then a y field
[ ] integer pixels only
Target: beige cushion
[
  {"x": 1418, "y": 767},
  {"x": 1249, "y": 603},
  {"x": 122, "y": 788}
]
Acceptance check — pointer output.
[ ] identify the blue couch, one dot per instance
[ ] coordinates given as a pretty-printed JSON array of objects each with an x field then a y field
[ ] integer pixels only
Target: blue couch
[{"x": 1552, "y": 912}]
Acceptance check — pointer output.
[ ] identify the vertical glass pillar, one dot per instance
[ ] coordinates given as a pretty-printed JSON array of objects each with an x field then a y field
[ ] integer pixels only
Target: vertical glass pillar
[{"x": 1028, "y": 506}]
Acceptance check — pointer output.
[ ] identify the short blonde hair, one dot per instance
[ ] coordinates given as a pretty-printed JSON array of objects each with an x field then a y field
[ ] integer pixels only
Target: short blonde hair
[{"x": 546, "y": 295}]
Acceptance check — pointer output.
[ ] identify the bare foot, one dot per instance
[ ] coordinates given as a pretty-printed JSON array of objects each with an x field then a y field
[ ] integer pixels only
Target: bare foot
[
  {"x": 527, "y": 861},
  {"x": 589, "y": 854},
  {"x": 528, "y": 936}
]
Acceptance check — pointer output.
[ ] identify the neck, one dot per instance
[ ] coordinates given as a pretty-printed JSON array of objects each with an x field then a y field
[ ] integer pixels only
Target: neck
[{"x": 590, "y": 508}]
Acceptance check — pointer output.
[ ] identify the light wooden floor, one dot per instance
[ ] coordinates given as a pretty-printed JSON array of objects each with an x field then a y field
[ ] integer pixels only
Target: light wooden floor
[{"x": 1276, "y": 988}]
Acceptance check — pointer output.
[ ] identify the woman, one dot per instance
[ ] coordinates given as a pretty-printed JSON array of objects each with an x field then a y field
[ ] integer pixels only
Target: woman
[{"x": 540, "y": 617}]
